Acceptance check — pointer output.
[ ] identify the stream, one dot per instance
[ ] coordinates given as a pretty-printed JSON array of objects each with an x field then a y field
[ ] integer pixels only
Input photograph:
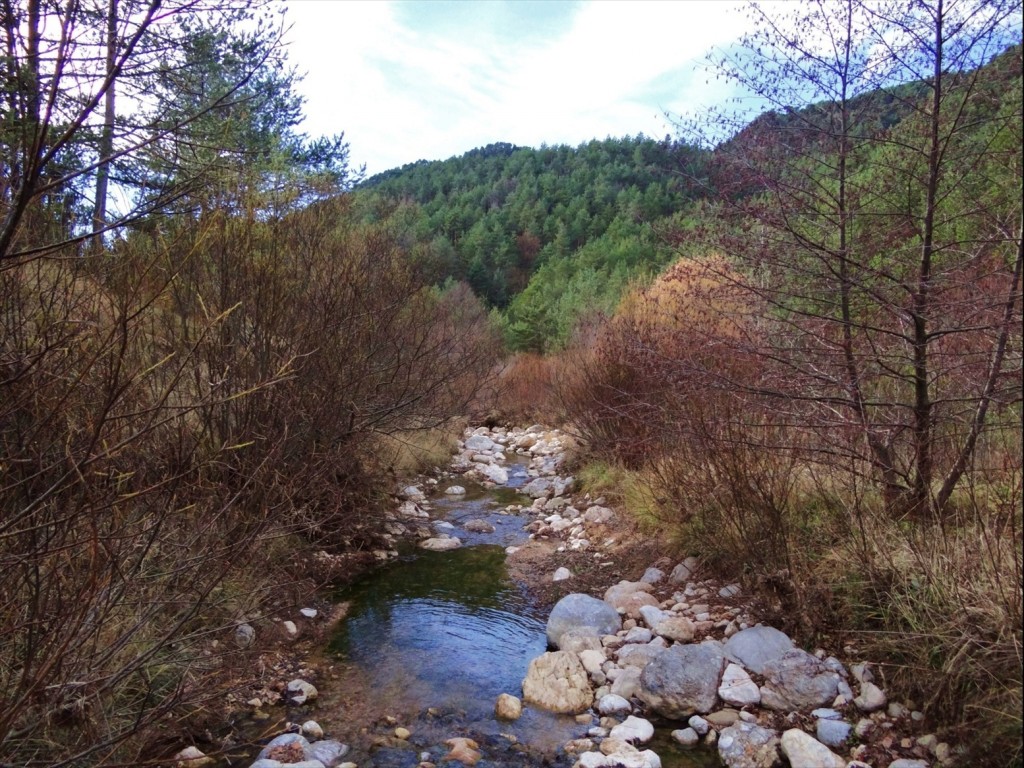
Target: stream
[{"x": 430, "y": 641}]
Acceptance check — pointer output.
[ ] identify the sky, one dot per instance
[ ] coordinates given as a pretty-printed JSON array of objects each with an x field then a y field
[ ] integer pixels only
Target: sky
[{"x": 430, "y": 79}]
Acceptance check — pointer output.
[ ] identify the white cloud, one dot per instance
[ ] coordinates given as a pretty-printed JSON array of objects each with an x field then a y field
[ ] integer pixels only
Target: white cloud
[{"x": 401, "y": 94}]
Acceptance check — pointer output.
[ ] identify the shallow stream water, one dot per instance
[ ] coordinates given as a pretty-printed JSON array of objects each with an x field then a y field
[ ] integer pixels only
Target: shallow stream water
[{"x": 431, "y": 640}]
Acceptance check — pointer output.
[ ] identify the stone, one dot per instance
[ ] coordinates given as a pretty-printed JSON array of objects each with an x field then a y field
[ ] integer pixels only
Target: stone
[
  {"x": 730, "y": 590},
  {"x": 633, "y": 729},
  {"x": 756, "y": 646},
  {"x": 871, "y": 698},
  {"x": 684, "y": 571},
  {"x": 683, "y": 680},
  {"x": 329, "y": 752},
  {"x": 677, "y": 628},
  {"x": 464, "y": 750},
  {"x": 638, "y": 635},
  {"x": 494, "y": 473},
  {"x": 478, "y": 526},
  {"x": 290, "y": 630},
  {"x": 299, "y": 691},
  {"x": 803, "y": 751},
  {"x": 686, "y": 736},
  {"x": 309, "y": 613},
  {"x": 245, "y": 635},
  {"x": 312, "y": 729},
  {"x": 833, "y": 733},
  {"x": 745, "y": 745},
  {"x": 579, "y": 610},
  {"x": 561, "y": 574},
  {"x": 599, "y": 515},
  {"x": 638, "y": 656},
  {"x": 652, "y": 576},
  {"x": 508, "y": 707},
  {"x": 479, "y": 443},
  {"x": 627, "y": 684},
  {"x": 617, "y": 595},
  {"x": 413, "y": 493},
  {"x": 652, "y": 615},
  {"x": 442, "y": 543},
  {"x": 942, "y": 752},
  {"x": 579, "y": 640},
  {"x": 827, "y": 714},
  {"x": 192, "y": 757},
  {"x": 723, "y": 718},
  {"x": 737, "y": 688},
  {"x": 633, "y": 604},
  {"x": 537, "y": 488},
  {"x": 556, "y": 681},
  {"x": 612, "y": 704},
  {"x": 905, "y": 762},
  {"x": 699, "y": 724},
  {"x": 799, "y": 681},
  {"x": 455, "y": 490},
  {"x": 592, "y": 659}
]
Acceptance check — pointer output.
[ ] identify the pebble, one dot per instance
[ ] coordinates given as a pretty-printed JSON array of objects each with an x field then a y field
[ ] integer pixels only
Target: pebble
[{"x": 686, "y": 736}]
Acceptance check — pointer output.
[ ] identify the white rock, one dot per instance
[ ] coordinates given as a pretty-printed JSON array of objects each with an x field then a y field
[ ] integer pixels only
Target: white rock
[
  {"x": 441, "y": 543},
  {"x": 562, "y": 574},
  {"x": 508, "y": 707},
  {"x": 299, "y": 691},
  {"x": 191, "y": 757},
  {"x": 686, "y": 736},
  {"x": 309, "y": 613},
  {"x": 290, "y": 629},
  {"x": 633, "y": 729},
  {"x": 737, "y": 688},
  {"x": 871, "y": 698},
  {"x": 699, "y": 725},
  {"x": 454, "y": 490},
  {"x": 804, "y": 751},
  {"x": 612, "y": 704},
  {"x": 312, "y": 729}
]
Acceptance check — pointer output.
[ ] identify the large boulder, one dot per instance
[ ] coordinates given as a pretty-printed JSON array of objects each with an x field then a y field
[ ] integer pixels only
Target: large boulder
[
  {"x": 480, "y": 443},
  {"x": 683, "y": 680},
  {"x": 537, "y": 487},
  {"x": 558, "y": 682},
  {"x": 494, "y": 473},
  {"x": 798, "y": 682},
  {"x": 756, "y": 646},
  {"x": 745, "y": 745},
  {"x": 578, "y": 611}
]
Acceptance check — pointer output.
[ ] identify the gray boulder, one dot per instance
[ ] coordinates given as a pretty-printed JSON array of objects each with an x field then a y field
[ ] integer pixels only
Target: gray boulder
[
  {"x": 480, "y": 443},
  {"x": 756, "y": 646},
  {"x": 579, "y": 610},
  {"x": 745, "y": 745},
  {"x": 683, "y": 680},
  {"x": 798, "y": 681},
  {"x": 833, "y": 733}
]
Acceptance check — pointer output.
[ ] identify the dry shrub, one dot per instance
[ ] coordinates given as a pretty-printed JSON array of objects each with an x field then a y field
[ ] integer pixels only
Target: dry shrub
[
  {"x": 525, "y": 388},
  {"x": 167, "y": 409}
]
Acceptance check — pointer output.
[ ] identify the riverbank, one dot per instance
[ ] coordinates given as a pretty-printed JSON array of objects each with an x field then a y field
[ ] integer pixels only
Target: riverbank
[{"x": 578, "y": 545}]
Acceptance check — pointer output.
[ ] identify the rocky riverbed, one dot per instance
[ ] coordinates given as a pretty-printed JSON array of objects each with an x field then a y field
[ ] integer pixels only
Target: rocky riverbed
[{"x": 640, "y": 654}]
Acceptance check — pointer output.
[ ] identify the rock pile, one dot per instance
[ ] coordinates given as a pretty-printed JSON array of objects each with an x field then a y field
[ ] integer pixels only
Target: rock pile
[{"x": 745, "y": 688}]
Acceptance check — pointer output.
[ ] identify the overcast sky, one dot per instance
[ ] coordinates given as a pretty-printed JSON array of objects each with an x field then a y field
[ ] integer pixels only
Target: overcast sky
[{"x": 428, "y": 79}]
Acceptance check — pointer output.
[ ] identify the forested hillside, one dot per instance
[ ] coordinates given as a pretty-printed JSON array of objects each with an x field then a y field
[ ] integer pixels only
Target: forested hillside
[{"x": 548, "y": 234}]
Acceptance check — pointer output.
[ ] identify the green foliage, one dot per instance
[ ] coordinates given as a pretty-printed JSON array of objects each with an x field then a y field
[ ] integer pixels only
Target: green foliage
[{"x": 546, "y": 234}]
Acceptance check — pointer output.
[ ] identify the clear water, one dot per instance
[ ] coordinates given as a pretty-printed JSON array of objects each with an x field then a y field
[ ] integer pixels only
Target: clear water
[{"x": 450, "y": 631}]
